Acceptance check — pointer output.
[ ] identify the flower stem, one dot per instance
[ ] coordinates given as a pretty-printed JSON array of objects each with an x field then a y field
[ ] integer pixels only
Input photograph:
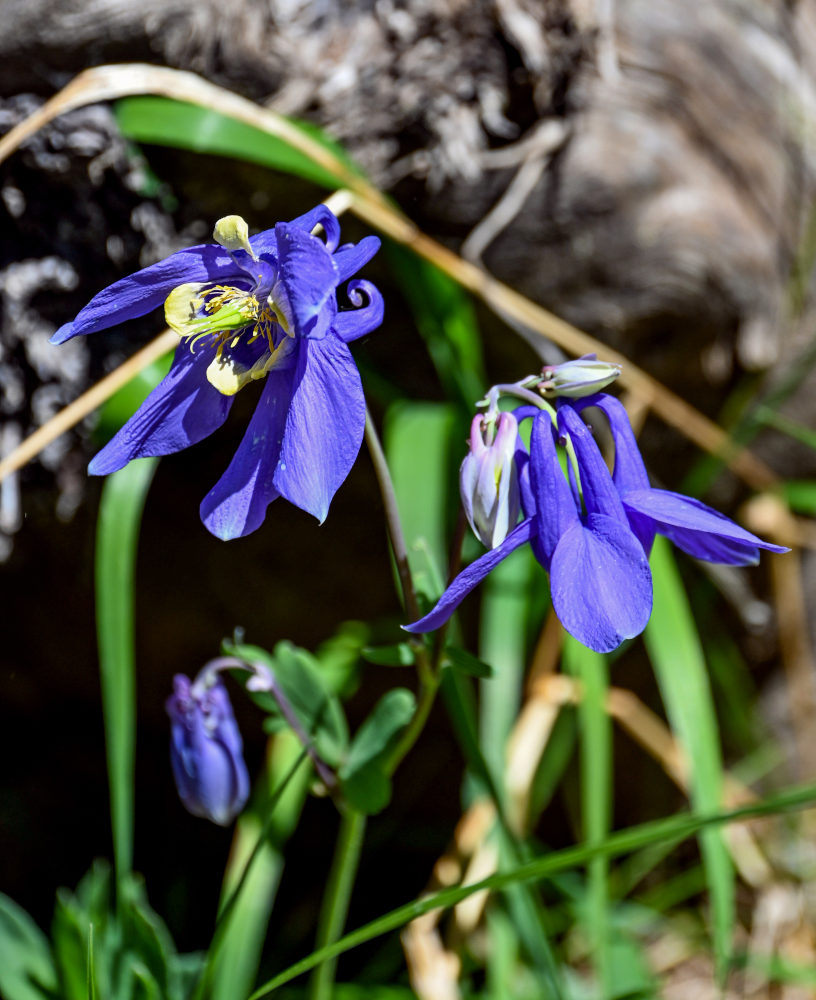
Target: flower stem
[
  {"x": 392, "y": 517},
  {"x": 335, "y": 905}
]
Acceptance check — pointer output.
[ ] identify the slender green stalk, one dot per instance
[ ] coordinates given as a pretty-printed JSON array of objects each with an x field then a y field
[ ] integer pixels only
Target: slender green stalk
[
  {"x": 117, "y": 537},
  {"x": 392, "y": 517},
  {"x": 336, "y": 899}
]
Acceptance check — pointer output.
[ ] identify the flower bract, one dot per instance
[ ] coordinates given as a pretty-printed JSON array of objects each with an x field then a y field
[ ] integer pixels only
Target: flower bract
[{"x": 246, "y": 309}]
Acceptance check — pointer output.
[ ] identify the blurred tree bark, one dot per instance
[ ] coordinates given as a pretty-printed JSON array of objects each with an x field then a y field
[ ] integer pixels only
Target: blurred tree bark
[{"x": 645, "y": 168}]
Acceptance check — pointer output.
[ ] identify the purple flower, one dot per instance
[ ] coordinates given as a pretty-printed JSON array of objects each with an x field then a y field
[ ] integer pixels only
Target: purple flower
[
  {"x": 252, "y": 308},
  {"x": 206, "y": 752},
  {"x": 488, "y": 478},
  {"x": 593, "y": 533},
  {"x": 695, "y": 528}
]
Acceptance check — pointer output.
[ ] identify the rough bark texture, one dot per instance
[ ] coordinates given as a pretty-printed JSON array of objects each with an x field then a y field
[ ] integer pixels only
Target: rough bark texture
[{"x": 644, "y": 168}]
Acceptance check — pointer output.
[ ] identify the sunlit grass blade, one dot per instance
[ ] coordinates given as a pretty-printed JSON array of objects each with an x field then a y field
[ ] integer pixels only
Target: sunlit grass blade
[
  {"x": 503, "y": 626},
  {"x": 238, "y": 947},
  {"x": 446, "y": 320},
  {"x": 523, "y": 905},
  {"x": 120, "y": 512},
  {"x": 417, "y": 444},
  {"x": 91, "y": 967},
  {"x": 165, "y": 122},
  {"x": 596, "y": 794},
  {"x": 677, "y": 657},
  {"x": 620, "y": 843}
]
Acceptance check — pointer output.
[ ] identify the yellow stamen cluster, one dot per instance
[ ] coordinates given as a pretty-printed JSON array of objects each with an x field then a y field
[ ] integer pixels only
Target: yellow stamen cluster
[{"x": 226, "y": 315}]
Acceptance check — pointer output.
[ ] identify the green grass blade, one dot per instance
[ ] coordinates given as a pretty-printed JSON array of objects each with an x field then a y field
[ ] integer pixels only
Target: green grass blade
[
  {"x": 446, "y": 321},
  {"x": 677, "y": 657},
  {"x": 235, "y": 964},
  {"x": 623, "y": 842},
  {"x": 596, "y": 794},
  {"x": 120, "y": 512},
  {"x": 165, "y": 122},
  {"x": 505, "y": 602},
  {"x": 91, "y": 967},
  {"x": 417, "y": 445}
]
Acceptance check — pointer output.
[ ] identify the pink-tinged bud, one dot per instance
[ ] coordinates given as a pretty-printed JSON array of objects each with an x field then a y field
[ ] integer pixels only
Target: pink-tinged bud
[
  {"x": 581, "y": 377},
  {"x": 488, "y": 479}
]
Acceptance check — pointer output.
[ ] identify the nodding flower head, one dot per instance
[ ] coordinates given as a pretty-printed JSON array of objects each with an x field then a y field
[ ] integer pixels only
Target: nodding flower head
[
  {"x": 488, "y": 477},
  {"x": 206, "y": 751}
]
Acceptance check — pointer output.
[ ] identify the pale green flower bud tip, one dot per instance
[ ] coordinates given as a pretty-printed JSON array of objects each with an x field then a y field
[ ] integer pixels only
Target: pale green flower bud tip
[{"x": 232, "y": 233}]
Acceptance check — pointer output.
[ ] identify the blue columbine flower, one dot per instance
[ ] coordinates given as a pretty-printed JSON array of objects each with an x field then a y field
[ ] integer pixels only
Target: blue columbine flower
[
  {"x": 246, "y": 308},
  {"x": 206, "y": 751},
  {"x": 593, "y": 533}
]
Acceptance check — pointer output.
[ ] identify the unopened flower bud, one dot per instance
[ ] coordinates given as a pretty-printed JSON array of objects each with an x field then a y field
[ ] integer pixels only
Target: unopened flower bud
[
  {"x": 488, "y": 478},
  {"x": 581, "y": 377},
  {"x": 206, "y": 751}
]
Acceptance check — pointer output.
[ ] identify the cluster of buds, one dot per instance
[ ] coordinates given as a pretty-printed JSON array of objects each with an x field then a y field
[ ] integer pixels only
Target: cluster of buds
[{"x": 489, "y": 475}]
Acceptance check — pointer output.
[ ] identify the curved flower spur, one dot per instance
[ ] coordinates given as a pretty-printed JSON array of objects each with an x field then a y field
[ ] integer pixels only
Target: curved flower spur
[
  {"x": 593, "y": 531},
  {"x": 248, "y": 308}
]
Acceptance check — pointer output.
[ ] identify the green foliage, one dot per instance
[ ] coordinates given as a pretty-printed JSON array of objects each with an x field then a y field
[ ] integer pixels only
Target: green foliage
[
  {"x": 298, "y": 673},
  {"x": 27, "y": 970},
  {"x": 417, "y": 445},
  {"x": 119, "y": 954},
  {"x": 165, "y": 122},
  {"x": 117, "y": 539},
  {"x": 366, "y": 784},
  {"x": 677, "y": 657}
]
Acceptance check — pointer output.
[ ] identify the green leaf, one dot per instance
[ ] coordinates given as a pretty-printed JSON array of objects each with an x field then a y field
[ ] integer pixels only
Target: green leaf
[
  {"x": 145, "y": 934},
  {"x": 26, "y": 966},
  {"x": 236, "y": 959},
  {"x": 400, "y": 655},
  {"x": 165, "y": 122},
  {"x": 469, "y": 664},
  {"x": 596, "y": 795},
  {"x": 800, "y": 495},
  {"x": 677, "y": 657},
  {"x": 366, "y": 785},
  {"x": 117, "y": 537},
  {"x": 446, "y": 320},
  {"x": 298, "y": 674},
  {"x": 417, "y": 445},
  {"x": 91, "y": 966},
  {"x": 623, "y": 842}
]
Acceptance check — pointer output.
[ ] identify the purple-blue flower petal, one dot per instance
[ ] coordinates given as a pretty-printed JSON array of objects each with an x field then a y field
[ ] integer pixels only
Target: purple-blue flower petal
[
  {"x": 600, "y": 495},
  {"x": 354, "y": 323},
  {"x": 696, "y": 528},
  {"x": 471, "y": 577},
  {"x": 147, "y": 289},
  {"x": 600, "y": 582},
  {"x": 350, "y": 258},
  {"x": 550, "y": 492},
  {"x": 182, "y": 410},
  {"x": 237, "y": 504},
  {"x": 307, "y": 278},
  {"x": 629, "y": 472},
  {"x": 324, "y": 426},
  {"x": 321, "y": 215}
]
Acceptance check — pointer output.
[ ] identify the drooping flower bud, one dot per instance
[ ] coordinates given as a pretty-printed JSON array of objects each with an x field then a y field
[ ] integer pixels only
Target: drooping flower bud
[
  {"x": 206, "y": 751},
  {"x": 488, "y": 478},
  {"x": 581, "y": 377}
]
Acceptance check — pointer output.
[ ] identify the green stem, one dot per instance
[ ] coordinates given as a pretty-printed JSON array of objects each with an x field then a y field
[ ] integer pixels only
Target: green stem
[
  {"x": 392, "y": 517},
  {"x": 335, "y": 905}
]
